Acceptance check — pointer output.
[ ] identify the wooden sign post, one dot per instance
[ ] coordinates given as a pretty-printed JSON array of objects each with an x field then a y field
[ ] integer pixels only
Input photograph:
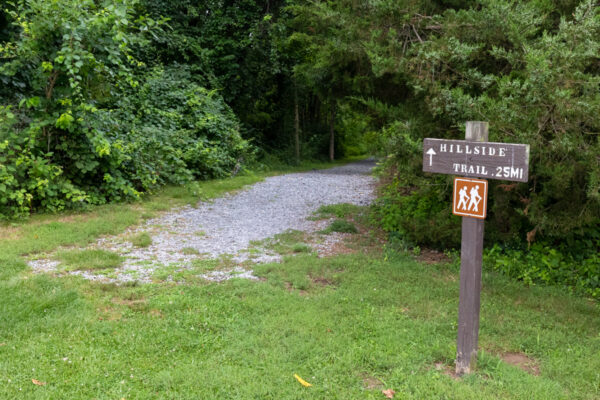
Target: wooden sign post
[
  {"x": 471, "y": 255},
  {"x": 473, "y": 157}
]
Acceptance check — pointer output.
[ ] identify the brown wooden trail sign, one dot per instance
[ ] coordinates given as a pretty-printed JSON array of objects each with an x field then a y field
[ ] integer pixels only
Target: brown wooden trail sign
[
  {"x": 473, "y": 157},
  {"x": 489, "y": 160}
]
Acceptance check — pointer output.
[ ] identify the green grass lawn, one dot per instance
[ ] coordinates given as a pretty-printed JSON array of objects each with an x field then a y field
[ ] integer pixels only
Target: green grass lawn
[
  {"x": 89, "y": 259},
  {"x": 351, "y": 325}
]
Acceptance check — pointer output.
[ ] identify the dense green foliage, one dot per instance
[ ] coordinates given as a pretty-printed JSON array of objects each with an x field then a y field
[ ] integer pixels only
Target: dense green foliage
[
  {"x": 552, "y": 265},
  {"x": 104, "y": 100},
  {"x": 536, "y": 80},
  {"x": 529, "y": 68},
  {"x": 84, "y": 121},
  {"x": 230, "y": 46}
]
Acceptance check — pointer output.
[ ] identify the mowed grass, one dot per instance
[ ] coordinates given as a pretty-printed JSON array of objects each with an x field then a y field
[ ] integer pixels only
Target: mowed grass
[
  {"x": 350, "y": 325},
  {"x": 340, "y": 323},
  {"x": 89, "y": 259},
  {"x": 142, "y": 239}
]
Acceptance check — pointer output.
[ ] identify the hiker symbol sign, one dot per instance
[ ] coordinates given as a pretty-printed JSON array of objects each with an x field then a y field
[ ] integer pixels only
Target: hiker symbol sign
[{"x": 470, "y": 197}]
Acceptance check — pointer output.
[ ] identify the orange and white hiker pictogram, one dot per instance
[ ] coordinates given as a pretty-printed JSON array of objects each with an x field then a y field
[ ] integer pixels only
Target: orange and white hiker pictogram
[{"x": 470, "y": 197}]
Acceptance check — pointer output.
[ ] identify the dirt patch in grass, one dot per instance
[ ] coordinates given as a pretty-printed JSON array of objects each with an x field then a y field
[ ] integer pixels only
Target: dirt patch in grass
[
  {"x": 446, "y": 276},
  {"x": 522, "y": 361},
  {"x": 333, "y": 245},
  {"x": 322, "y": 281},
  {"x": 129, "y": 302},
  {"x": 366, "y": 239},
  {"x": 109, "y": 314},
  {"x": 10, "y": 233},
  {"x": 430, "y": 256},
  {"x": 134, "y": 301},
  {"x": 447, "y": 370},
  {"x": 76, "y": 217},
  {"x": 370, "y": 382},
  {"x": 290, "y": 288}
]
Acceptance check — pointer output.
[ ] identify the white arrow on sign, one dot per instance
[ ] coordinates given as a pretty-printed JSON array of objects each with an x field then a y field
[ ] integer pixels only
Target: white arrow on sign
[{"x": 431, "y": 153}]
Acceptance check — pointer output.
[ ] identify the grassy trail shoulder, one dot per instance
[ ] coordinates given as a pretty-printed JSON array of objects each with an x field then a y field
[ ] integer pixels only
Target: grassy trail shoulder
[{"x": 46, "y": 232}]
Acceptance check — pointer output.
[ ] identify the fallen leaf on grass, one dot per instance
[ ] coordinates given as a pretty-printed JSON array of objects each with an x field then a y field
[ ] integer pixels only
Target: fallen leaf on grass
[
  {"x": 39, "y": 383},
  {"x": 302, "y": 381},
  {"x": 388, "y": 393}
]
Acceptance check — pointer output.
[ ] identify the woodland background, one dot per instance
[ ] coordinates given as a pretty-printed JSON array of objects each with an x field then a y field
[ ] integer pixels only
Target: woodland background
[{"x": 105, "y": 100}]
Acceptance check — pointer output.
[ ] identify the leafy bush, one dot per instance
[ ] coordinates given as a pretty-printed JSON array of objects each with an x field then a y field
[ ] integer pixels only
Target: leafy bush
[
  {"x": 535, "y": 79},
  {"x": 421, "y": 215},
  {"x": 170, "y": 129},
  {"x": 82, "y": 121},
  {"x": 61, "y": 57},
  {"x": 530, "y": 68},
  {"x": 231, "y": 46},
  {"x": 550, "y": 264}
]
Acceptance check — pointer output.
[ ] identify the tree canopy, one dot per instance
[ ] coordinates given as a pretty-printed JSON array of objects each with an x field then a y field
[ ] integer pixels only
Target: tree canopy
[{"x": 104, "y": 100}]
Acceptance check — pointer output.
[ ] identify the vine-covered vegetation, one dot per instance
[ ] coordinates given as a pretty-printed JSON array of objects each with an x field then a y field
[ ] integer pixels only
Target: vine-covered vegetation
[
  {"x": 85, "y": 119},
  {"x": 102, "y": 100}
]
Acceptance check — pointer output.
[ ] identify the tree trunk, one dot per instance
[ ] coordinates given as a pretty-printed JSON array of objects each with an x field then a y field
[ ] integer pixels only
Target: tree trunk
[
  {"x": 49, "y": 92},
  {"x": 332, "y": 134},
  {"x": 296, "y": 127}
]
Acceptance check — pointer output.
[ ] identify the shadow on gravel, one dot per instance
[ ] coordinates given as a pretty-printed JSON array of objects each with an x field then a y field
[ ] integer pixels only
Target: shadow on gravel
[{"x": 362, "y": 167}]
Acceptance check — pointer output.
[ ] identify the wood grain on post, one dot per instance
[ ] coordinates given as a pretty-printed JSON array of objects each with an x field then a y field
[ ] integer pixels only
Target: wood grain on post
[{"x": 470, "y": 276}]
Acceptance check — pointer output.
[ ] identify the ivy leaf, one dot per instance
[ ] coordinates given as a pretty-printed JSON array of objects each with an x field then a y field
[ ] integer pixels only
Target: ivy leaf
[
  {"x": 65, "y": 121},
  {"x": 47, "y": 66}
]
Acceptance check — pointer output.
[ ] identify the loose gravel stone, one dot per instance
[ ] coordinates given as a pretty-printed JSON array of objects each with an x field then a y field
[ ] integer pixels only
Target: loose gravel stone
[{"x": 230, "y": 224}]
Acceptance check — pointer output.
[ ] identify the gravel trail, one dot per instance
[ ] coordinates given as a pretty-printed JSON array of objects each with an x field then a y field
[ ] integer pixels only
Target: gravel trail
[{"x": 228, "y": 226}]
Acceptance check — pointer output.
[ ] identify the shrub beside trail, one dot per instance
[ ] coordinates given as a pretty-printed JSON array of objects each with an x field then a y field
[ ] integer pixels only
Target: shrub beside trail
[{"x": 83, "y": 122}]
